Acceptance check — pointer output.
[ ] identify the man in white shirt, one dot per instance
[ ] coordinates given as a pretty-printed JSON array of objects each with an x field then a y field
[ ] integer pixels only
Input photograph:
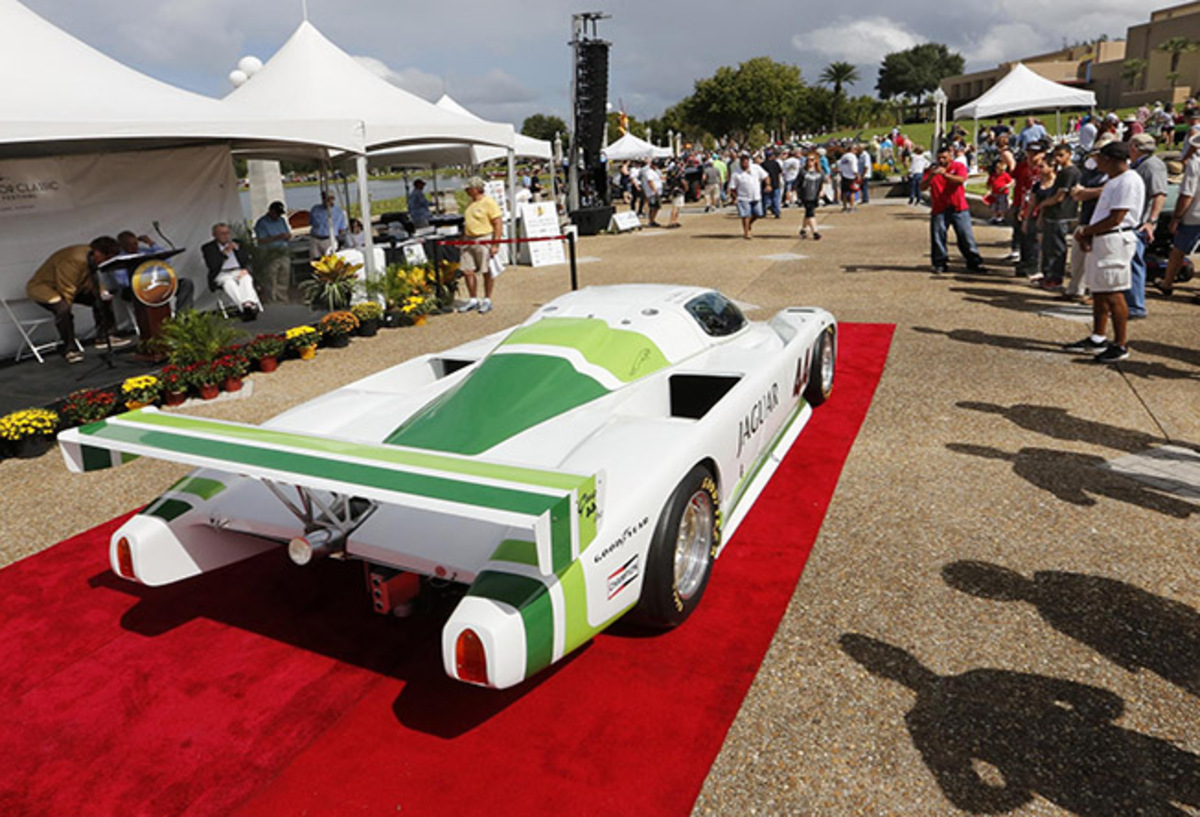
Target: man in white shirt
[
  {"x": 746, "y": 186},
  {"x": 848, "y": 172},
  {"x": 652, "y": 190},
  {"x": 791, "y": 170},
  {"x": 864, "y": 175},
  {"x": 1087, "y": 134},
  {"x": 1110, "y": 243}
]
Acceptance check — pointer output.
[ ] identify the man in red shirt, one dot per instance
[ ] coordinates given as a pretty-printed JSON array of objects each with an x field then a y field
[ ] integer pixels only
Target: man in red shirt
[{"x": 948, "y": 208}]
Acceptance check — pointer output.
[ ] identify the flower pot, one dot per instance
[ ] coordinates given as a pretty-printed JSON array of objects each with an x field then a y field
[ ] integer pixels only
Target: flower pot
[
  {"x": 368, "y": 328},
  {"x": 209, "y": 391},
  {"x": 268, "y": 363},
  {"x": 308, "y": 352},
  {"x": 232, "y": 384},
  {"x": 134, "y": 405},
  {"x": 395, "y": 318},
  {"x": 27, "y": 448},
  {"x": 337, "y": 341},
  {"x": 419, "y": 320},
  {"x": 174, "y": 398}
]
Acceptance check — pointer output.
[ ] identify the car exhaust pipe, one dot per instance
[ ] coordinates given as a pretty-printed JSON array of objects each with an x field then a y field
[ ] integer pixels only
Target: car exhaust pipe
[{"x": 315, "y": 544}]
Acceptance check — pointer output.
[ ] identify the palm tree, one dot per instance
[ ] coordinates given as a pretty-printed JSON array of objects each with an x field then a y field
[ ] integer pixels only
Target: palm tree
[
  {"x": 1132, "y": 71},
  {"x": 838, "y": 74},
  {"x": 1177, "y": 47}
]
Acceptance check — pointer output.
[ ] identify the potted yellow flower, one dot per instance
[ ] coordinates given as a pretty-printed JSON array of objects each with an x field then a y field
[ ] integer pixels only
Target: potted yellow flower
[
  {"x": 303, "y": 341},
  {"x": 369, "y": 314},
  {"x": 139, "y": 392},
  {"x": 28, "y": 433}
]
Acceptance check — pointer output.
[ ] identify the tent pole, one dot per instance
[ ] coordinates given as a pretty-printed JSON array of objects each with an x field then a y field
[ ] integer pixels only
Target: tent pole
[
  {"x": 364, "y": 203},
  {"x": 437, "y": 200},
  {"x": 1058, "y": 123},
  {"x": 512, "y": 200}
]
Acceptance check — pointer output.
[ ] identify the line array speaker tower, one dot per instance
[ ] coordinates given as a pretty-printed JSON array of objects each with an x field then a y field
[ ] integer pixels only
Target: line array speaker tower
[{"x": 591, "y": 97}]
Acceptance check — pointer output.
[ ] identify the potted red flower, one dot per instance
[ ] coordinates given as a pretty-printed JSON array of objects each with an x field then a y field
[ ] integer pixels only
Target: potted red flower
[
  {"x": 86, "y": 406},
  {"x": 265, "y": 351},
  {"x": 205, "y": 377},
  {"x": 231, "y": 368},
  {"x": 174, "y": 383}
]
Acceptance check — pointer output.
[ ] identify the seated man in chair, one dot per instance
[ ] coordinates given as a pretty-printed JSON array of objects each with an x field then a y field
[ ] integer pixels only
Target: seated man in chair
[
  {"x": 229, "y": 269},
  {"x": 68, "y": 277}
]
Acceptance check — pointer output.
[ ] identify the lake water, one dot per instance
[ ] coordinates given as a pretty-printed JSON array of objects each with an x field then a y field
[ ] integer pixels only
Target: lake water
[{"x": 303, "y": 197}]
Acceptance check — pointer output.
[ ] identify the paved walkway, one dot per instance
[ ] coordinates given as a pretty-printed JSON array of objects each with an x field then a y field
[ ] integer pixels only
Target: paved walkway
[{"x": 1000, "y": 612}]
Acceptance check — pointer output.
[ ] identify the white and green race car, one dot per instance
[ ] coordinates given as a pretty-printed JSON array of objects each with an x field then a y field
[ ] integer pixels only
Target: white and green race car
[{"x": 590, "y": 462}]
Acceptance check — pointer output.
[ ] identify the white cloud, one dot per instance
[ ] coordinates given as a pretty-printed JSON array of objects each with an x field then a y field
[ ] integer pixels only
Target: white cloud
[
  {"x": 415, "y": 81},
  {"x": 1004, "y": 42},
  {"x": 860, "y": 41}
]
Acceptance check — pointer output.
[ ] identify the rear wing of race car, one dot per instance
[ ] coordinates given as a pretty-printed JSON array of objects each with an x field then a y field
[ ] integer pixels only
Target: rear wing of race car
[{"x": 560, "y": 509}]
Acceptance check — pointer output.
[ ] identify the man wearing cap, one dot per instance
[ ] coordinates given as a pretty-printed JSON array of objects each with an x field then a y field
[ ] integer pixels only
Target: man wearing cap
[
  {"x": 948, "y": 208},
  {"x": 328, "y": 223},
  {"x": 483, "y": 221},
  {"x": 418, "y": 206},
  {"x": 1110, "y": 243},
  {"x": 1154, "y": 177},
  {"x": 273, "y": 230}
]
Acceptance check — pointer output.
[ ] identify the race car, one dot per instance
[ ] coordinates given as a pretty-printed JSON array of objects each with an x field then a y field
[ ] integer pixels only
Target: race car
[{"x": 588, "y": 463}]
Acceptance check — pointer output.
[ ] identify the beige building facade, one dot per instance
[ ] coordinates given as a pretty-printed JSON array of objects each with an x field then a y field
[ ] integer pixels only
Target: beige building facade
[{"x": 1101, "y": 66}]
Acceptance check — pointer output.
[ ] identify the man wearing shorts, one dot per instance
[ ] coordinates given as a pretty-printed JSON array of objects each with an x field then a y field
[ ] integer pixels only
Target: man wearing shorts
[
  {"x": 482, "y": 221},
  {"x": 848, "y": 174},
  {"x": 1110, "y": 244},
  {"x": 1185, "y": 220},
  {"x": 746, "y": 185}
]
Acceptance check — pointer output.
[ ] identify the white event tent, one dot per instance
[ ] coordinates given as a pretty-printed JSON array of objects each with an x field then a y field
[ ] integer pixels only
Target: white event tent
[
  {"x": 309, "y": 73},
  {"x": 631, "y": 148},
  {"x": 89, "y": 147},
  {"x": 1023, "y": 89}
]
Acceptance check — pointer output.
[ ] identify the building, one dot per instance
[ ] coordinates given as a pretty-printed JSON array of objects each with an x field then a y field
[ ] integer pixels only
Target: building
[{"x": 1101, "y": 67}]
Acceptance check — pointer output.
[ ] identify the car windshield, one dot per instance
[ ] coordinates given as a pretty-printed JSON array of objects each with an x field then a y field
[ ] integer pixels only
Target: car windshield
[{"x": 716, "y": 314}]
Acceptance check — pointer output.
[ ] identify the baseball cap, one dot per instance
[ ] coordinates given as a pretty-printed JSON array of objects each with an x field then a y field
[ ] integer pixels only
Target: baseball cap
[
  {"x": 277, "y": 207},
  {"x": 1116, "y": 150},
  {"x": 1106, "y": 139},
  {"x": 1144, "y": 142}
]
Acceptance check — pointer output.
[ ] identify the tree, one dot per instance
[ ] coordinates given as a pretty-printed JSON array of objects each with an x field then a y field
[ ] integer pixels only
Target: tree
[
  {"x": 917, "y": 71},
  {"x": 759, "y": 92},
  {"x": 838, "y": 74},
  {"x": 543, "y": 126},
  {"x": 1177, "y": 47},
  {"x": 1132, "y": 71}
]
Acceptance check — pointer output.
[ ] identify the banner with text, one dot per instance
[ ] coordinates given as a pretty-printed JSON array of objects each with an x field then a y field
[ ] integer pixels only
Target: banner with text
[{"x": 33, "y": 186}]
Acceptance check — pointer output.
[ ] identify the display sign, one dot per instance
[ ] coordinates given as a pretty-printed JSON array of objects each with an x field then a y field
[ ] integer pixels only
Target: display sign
[
  {"x": 33, "y": 186},
  {"x": 540, "y": 220},
  {"x": 414, "y": 253},
  {"x": 153, "y": 283},
  {"x": 498, "y": 191},
  {"x": 625, "y": 221}
]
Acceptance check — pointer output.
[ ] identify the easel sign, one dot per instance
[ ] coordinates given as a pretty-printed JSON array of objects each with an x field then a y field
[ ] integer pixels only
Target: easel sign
[
  {"x": 624, "y": 222},
  {"x": 540, "y": 220},
  {"x": 414, "y": 253}
]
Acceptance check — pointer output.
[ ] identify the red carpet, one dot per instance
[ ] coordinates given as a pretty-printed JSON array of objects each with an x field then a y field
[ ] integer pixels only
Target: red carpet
[{"x": 266, "y": 689}]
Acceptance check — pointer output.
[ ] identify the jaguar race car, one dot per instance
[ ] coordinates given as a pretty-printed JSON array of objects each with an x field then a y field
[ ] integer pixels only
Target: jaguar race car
[{"x": 586, "y": 464}]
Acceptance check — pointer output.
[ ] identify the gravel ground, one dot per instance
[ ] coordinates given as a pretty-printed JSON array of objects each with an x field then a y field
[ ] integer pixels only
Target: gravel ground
[{"x": 989, "y": 620}]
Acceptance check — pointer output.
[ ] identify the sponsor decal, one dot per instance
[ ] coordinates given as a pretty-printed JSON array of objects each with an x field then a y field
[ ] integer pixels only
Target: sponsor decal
[
  {"x": 628, "y": 533},
  {"x": 801, "y": 374},
  {"x": 621, "y": 578},
  {"x": 586, "y": 505},
  {"x": 757, "y": 416}
]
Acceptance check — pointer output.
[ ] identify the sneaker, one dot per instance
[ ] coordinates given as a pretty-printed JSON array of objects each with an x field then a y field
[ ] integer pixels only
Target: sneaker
[
  {"x": 940, "y": 269},
  {"x": 1112, "y": 354},
  {"x": 117, "y": 342},
  {"x": 804, "y": 233},
  {"x": 1087, "y": 346},
  {"x": 74, "y": 356},
  {"x": 485, "y": 305},
  {"x": 473, "y": 303},
  {"x": 816, "y": 236},
  {"x": 1012, "y": 256},
  {"x": 977, "y": 269}
]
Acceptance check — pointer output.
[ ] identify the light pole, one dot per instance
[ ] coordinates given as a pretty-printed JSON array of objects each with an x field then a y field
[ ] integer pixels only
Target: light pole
[{"x": 939, "y": 118}]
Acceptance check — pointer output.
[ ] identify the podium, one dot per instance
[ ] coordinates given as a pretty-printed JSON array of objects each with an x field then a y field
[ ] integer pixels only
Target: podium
[{"x": 153, "y": 283}]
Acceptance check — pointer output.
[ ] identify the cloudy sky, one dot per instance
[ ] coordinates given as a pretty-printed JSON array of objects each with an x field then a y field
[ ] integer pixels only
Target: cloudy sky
[{"x": 505, "y": 61}]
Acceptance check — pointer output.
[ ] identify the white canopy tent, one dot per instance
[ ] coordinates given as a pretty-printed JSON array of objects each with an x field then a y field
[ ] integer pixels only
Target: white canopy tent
[
  {"x": 63, "y": 96},
  {"x": 311, "y": 73},
  {"x": 89, "y": 147},
  {"x": 631, "y": 148},
  {"x": 1023, "y": 89}
]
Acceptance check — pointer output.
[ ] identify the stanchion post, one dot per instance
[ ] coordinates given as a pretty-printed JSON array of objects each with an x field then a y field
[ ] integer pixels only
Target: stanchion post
[{"x": 574, "y": 271}]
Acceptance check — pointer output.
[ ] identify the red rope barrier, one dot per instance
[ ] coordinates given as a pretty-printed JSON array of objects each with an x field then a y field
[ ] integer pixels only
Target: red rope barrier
[{"x": 466, "y": 243}]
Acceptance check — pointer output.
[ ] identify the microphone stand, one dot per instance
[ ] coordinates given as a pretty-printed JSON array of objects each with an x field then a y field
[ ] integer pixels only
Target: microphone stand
[{"x": 106, "y": 357}]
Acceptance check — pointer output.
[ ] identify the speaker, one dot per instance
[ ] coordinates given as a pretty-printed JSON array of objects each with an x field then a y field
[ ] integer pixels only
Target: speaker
[
  {"x": 591, "y": 96},
  {"x": 591, "y": 220}
]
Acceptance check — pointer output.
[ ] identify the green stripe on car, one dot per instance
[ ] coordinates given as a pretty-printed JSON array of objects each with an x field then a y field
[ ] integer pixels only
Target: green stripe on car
[
  {"x": 531, "y": 599},
  {"x": 628, "y": 355}
]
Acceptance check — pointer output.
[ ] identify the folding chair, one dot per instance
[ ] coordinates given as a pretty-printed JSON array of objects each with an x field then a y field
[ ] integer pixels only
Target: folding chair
[{"x": 28, "y": 327}]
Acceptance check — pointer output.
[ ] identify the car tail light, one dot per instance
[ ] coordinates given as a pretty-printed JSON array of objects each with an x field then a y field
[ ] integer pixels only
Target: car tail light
[
  {"x": 124, "y": 559},
  {"x": 470, "y": 658}
]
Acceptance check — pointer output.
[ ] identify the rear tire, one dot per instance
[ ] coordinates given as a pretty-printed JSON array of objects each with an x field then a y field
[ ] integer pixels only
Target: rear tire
[
  {"x": 679, "y": 561},
  {"x": 824, "y": 365}
]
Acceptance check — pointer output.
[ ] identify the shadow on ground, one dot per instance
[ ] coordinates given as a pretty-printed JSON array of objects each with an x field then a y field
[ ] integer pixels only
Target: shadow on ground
[
  {"x": 1058, "y": 423},
  {"x": 995, "y": 739},
  {"x": 1079, "y": 478},
  {"x": 1127, "y": 625}
]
